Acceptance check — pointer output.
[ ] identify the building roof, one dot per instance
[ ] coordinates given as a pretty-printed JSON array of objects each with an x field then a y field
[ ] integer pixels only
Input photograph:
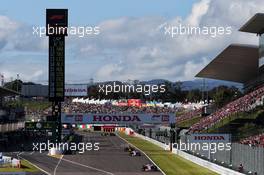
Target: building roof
[
  {"x": 7, "y": 92},
  {"x": 237, "y": 63},
  {"x": 254, "y": 25}
]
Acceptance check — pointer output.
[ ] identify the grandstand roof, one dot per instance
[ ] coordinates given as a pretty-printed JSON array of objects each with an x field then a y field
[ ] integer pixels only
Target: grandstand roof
[
  {"x": 237, "y": 63},
  {"x": 7, "y": 92},
  {"x": 254, "y": 25}
]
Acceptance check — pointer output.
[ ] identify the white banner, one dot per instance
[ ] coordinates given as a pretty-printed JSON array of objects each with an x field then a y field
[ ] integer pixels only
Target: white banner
[
  {"x": 78, "y": 90},
  {"x": 209, "y": 138},
  {"x": 118, "y": 118}
]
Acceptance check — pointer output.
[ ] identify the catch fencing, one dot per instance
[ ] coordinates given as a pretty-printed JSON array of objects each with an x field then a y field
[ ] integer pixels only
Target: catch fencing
[
  {"x": 204, "y": 163},
  {"x": 251, "y": 157}
]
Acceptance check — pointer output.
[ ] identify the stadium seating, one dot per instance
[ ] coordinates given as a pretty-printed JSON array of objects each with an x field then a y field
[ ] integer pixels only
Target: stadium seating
[
  {"x": 73, "y": 107},
  {"x": 188, "y": 115},
  {"x": 245, "y": 103},
  {"x": 257, "y": 140}
]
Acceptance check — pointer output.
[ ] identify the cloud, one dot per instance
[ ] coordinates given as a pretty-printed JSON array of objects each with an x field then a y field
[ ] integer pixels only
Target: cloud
[
  {"x": 149, "y": 54},
  {"x": 136, "y": 47},
  {"x": 35, "y": 73},
  {"x": 16, "y": 36},
  {"x": 198, "y": 11},
  {"x": 7, "y": 27}
]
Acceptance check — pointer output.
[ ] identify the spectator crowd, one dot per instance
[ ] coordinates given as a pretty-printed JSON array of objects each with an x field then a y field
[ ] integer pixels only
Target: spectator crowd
[
  {"x": 75, "y": 107},
  {"x": 254, "y": 141},
  {"x": 245, "y": 103},
  {"x": 189, "y": 115}
]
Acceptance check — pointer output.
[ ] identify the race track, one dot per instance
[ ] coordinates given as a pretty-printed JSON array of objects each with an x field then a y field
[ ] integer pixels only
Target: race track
[{"x": 109, "y": 160}]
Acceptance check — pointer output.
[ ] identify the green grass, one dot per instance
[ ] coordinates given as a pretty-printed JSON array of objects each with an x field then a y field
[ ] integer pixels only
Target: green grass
[
  {"x": 170, "y": 163},
  {"x": 188, "y": 123},
  {"x": 25, "y": 167}
]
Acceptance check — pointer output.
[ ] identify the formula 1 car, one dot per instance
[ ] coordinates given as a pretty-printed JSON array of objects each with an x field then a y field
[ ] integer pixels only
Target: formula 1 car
[
  {"x": 129, "y": 149},
  {"x": 135, "y": 153},
  {"x": 112, "y": 134},
  {"x": 149, "y": 167},
  {"x": 104, "y": 134}
]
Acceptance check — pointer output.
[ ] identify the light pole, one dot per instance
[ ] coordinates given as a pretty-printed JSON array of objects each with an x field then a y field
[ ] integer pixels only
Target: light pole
[{"x": 17, "y": 82}]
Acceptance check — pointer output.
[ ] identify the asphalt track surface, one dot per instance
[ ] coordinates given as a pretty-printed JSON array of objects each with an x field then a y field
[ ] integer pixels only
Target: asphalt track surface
[{"x": 109, "y": 160}]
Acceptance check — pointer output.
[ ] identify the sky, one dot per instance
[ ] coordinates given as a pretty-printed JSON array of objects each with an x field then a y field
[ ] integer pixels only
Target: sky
[
  {"x": 92, "y": 12},
  {"x": 132, "y": 43}
]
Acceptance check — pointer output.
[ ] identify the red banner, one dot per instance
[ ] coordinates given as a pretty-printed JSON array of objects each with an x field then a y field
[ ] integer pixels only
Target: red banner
[{"x": 134, "y": 102}]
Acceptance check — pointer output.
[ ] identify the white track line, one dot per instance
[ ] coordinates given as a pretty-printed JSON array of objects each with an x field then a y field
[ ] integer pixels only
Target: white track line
[
  {"x": 35, "y": 165},
  {"x": 57, "y": 165},
  {"x": 93, "y": 168},
  {"x": 143, "y": 153}
]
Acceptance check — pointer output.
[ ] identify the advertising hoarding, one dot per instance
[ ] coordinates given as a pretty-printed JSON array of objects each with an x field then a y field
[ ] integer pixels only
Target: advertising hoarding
[
  {"x": 209, "y": 138},
  {"x": 79, "y": 90},
  {"x": 134, "y": 102},
  {"x": 118, "y": 118}
]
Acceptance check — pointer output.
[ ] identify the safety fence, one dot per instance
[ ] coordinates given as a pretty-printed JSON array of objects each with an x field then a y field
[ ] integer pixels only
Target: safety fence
[
  {"x": 249, "y": 158},
  {"x": 197, "y": 160}
]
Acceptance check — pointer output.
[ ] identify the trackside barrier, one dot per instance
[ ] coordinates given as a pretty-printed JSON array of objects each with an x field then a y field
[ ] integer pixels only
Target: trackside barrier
[
  {"x": 155, "y": 142},
  {"x": 204, "y": 163}
]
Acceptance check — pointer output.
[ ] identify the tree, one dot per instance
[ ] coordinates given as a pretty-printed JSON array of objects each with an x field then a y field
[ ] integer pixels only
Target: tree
[
  {"x": 15, "y": 85},
  {"x": 224, "y": 95},
  {"x": 194, "y": 95}
]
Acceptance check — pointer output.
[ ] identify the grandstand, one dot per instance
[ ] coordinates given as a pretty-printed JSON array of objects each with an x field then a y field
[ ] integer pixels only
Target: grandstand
[
  {"x": 242, "y": 64},
  {"x": 5, "y": 93},
  {"x": 257, "y": 140},
  {"x": 5, "y": 112},
  {"x": 8, "y": 118},
  {"x": 77, "y": 107},
  {"x": 189, "y": 115},
  {"x": 243, "y": 104}
]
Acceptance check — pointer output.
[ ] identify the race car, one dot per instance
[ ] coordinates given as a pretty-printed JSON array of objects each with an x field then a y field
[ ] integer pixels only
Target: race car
[
  {"x": 104, "y": 134},
  {"x": 129, "y": 149},
  {"x": 149, "y": 167},
  {"x": 112, "y": 134},
  {"x": 135, "y": 153}
]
